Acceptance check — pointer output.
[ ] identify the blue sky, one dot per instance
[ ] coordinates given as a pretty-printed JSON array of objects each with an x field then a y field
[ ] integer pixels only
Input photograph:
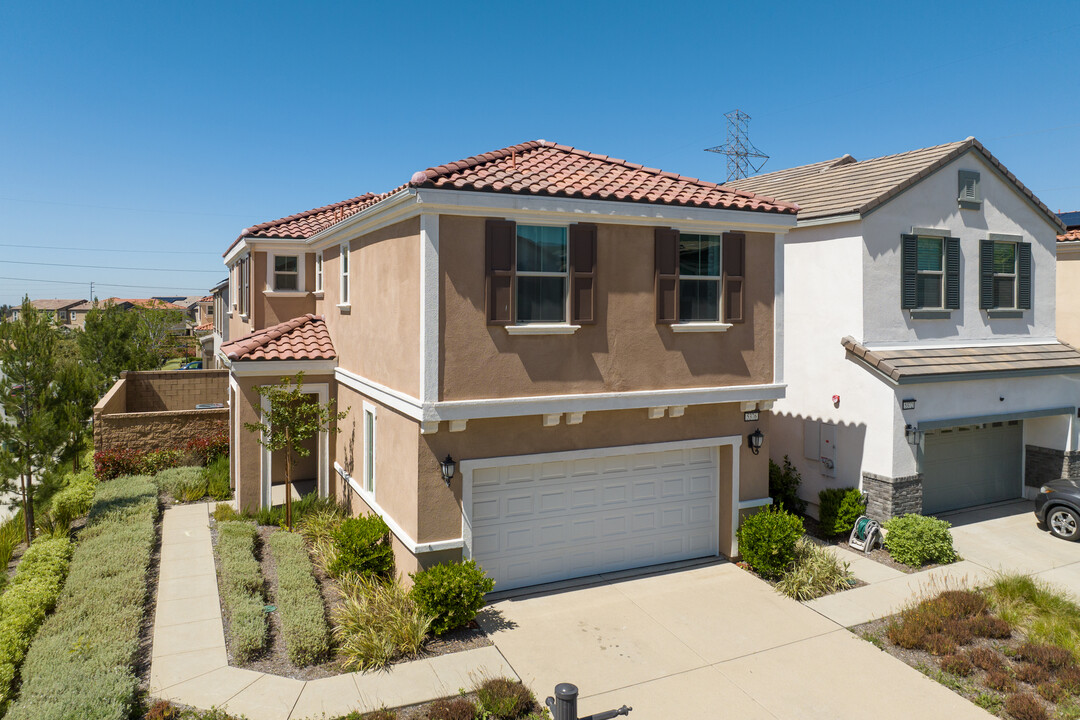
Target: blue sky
[{"x": 166, "y": 128}]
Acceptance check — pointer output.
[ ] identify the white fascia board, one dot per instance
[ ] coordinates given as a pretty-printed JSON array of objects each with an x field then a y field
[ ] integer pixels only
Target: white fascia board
[
  {"x": 388, "y": 211},
  {"x": 597, "y": 402},
  {"x": 268, "y": 368},
  {"x": 850, "y": 217},
  {"x": 278, "y": 245},
  {"x": 535, "y": 207},
  {"x": 394, "y": 399},
  {"x": 414, "y": 547},
  {"x": 242, "y": 250},
  {"x": 954, "y": 343}
]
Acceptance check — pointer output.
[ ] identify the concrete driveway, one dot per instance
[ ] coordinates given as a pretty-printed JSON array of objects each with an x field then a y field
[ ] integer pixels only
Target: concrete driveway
[
  {"x": 709, "y": 641},
  {"x": 1006, "y": 538}
]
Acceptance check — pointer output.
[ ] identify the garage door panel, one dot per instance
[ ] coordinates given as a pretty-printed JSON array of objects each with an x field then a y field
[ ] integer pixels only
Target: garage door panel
[
  {"x": 583, "y": 521},
  {"x": 971, "y": 466}
]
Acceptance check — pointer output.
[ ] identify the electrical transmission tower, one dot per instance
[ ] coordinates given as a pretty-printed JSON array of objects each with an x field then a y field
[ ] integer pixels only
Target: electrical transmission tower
[{"x": 743, "y": 159}]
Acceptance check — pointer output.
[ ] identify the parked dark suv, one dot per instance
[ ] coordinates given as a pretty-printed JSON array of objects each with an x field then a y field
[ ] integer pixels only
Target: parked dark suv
[{"x": 1058, "y": 507}]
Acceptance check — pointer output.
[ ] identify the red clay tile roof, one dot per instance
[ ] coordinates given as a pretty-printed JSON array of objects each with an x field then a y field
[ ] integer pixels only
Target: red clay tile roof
[
  {"x": 538, "y": 167},
  {"x": 1070, "y": 236},
  {"x": 204, "y": 327},
  {"x": 302, "y": 338},
  {"x": 145, "y": 303}
]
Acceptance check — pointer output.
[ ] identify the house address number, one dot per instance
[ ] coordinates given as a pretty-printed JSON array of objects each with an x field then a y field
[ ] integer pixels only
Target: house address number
[{"x": 751, "y": 416}]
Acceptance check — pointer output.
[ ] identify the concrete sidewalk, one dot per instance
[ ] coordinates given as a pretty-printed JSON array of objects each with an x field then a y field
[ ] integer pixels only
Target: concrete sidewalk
[{"x": 189, "y": 664}]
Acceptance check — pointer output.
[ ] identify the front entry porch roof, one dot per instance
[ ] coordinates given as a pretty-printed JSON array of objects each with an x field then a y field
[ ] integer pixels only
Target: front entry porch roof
[
  {"x": 302, "y": 338},
  {"x": 917, "y": 365}
]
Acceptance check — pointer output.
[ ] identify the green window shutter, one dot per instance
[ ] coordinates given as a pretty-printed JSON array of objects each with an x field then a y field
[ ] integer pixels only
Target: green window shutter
[
  {"x": 986, "y": 274},
  {"x": 952, "y": 273},
  {"x": 1023, "y": 283},
  {"x": 909, "y": 261}
]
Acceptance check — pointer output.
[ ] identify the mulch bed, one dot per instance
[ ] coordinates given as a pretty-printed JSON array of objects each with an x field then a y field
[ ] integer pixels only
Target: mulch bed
[{"x": 878, "y": 554}]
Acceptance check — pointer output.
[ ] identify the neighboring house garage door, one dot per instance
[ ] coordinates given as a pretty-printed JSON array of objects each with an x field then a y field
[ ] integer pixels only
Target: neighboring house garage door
[
  {"x": 547, "y": 521},
  {"x": 972, "y": 466}
]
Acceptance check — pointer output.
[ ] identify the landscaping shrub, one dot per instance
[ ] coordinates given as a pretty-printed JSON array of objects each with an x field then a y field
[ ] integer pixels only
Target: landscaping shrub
[
  {"x": 216, "y": 476},
  {"x": 452, "y": 709},
  {"x": 1032, "y": 673},
  {"x": 210, "y": 446},
  {"x": 377, "y": 622},
  {"x": 453, "y": 593},
  {"x": 1025, "y": 707},
  {"x": 767, "y": 540},
  {"x": 1069, "y": 680},
  {"x": 1047, "y": 656},
  {"x": 939, "y": 644},
  {"x": 80, "y": 665},
  {"x": 308, "y": 504},
  {"x": 303, "y": 617},
  {"x": 362, "y": 546},
  {"x": 184, "y": 484},
  {"x": 504, "y": 699},
  {"x": 12, "y": 534},
  {"x": 938, "y": 624},
  {"x": 839, "y": 508},
  {"x": 1038, "y": 611},
  {"x": 917, "y": 540},
  {"x": 1000, "y": 680},
  {"x": 224, "y": 512},
  {"x": 1051, "y": 692},
  {"x": 242, "y": 589},
  {"x": 784, "y": 484},
  {"x": 816, "y": 571},
  {"x": 110, "y": 464},
  {"x": 957, "y": 665},
  {"x": 74, "y": 500},
  {"x": 32, "y": 594},
  {"x": 988, "y": 626}
]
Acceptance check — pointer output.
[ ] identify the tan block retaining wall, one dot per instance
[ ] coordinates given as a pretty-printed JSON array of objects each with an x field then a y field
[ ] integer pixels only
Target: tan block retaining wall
[{"x": 174, "y": 389}]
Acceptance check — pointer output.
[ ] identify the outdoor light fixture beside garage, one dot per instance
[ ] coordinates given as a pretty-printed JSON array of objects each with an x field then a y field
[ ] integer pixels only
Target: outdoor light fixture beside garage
[
  {"x": 448, "y": 468},
  {"x": 756, "y": 438}
]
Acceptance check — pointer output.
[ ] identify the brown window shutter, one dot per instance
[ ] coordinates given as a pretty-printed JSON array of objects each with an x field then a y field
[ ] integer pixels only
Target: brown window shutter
[
  {"x": 734, "y": 270},
  {"x": 667, "y": 275},
  {"x": 501, "y": 263},
  {"x": 583, "y": 274}
]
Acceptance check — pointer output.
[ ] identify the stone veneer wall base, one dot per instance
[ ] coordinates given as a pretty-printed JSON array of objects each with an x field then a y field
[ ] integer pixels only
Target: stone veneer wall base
[
  {"x": 1043, "y": 464},
  {"x": 890, "y": 497}
]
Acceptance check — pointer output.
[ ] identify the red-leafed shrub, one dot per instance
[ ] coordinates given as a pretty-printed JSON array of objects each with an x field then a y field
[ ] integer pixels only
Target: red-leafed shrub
[
  {"x": 113, "y": 463},
  {"x": 209, "y": 446}
]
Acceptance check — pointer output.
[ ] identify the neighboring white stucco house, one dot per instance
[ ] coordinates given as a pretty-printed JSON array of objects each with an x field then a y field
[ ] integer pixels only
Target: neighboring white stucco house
[{"x": 919, "y": 332}]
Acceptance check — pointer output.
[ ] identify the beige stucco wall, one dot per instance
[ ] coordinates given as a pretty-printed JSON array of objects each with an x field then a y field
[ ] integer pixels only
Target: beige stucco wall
[
  {"x": 1068, "y": 295},
  {"x": 379, "y": 338},
  {"x": 624, "y": 351}
]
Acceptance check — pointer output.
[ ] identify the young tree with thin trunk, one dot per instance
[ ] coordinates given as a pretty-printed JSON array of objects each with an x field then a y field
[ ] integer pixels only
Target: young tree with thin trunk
[
  {"x": 32, "y": 436},
  {"x": 288, "y": 422}
]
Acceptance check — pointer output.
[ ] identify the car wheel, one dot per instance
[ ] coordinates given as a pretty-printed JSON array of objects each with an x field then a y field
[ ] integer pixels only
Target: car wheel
[{"x": 1063, "y": 523}]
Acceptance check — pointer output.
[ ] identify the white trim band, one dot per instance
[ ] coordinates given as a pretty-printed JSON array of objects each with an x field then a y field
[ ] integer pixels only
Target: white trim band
[
  {"x": 760, "y": 502},
  {"x": 698, "y": 327},
  {"x": 542, "y": 329},
  {"x": 266, "y": 368}
]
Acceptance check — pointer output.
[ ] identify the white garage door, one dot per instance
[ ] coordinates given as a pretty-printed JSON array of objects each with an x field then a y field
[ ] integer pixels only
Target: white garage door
[{"x": 547, "y": 521}]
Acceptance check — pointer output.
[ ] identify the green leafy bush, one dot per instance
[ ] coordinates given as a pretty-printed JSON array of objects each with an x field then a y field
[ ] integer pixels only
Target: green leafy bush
[
  {"x": 784, "y": 484},
  {"x": 242, "y": 589},
  {"x": 917, "y": 540},
  {"x": 377, "y": 622},
  {"x": 362, "y": 546},
  {"x": 767, "y": 540},
  {"x": 216, "y": 476},
  {"x": 12, "y": 534},
  {"x": 74, "y": 500},
  {"x": 504, "y": 699},
  {"x": 303, "y": 617},
  {"x": 81, "y": 663},
  {"x": 452, "y": 592},
  {"x": 839, "y": 508},
  {"x": 816, "y": 571},
  {"x": 224, "y": 512},
  {"x": 32, "y": 594}
]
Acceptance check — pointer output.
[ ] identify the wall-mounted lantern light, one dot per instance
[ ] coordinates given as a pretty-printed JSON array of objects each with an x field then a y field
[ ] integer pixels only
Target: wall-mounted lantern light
[
  {"x": 756, "y": 438},
  {"x": 913, "y": 435},
  {"x": 448, "y": 468}
]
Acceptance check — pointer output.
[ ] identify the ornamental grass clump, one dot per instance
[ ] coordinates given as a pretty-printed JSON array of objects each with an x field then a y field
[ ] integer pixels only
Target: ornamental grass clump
[
  {"x": 918, "y": 540},
  {"x": 453, "y": 593},
  {"x": 377, "y": 622},
  {"x": 303, "y": 616},
  {"x": 81, "y": 664},
  {"x": 816, "y": 571},
  {"x": 767, "y": 541},
  {"x": 1041, "y": 613},
  {"x": 184, "y": 484},
  {"x": 242, "y": 589}
]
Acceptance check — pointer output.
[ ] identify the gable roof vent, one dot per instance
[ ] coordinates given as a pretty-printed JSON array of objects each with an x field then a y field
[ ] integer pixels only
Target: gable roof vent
[{"x": 969, "y": 195}]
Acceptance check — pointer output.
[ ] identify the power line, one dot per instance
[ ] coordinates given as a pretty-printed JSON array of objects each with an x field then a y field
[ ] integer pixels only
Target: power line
[
  {"x": 122, "y": 209},
  {"x": 72, "y": 282},
  {"x": 57, "y": 247},
  {"x": 107, "y": 267}
]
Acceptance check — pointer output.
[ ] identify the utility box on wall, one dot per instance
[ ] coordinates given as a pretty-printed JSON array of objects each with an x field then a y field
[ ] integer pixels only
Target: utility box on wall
[{"x": 819, "y": 444}]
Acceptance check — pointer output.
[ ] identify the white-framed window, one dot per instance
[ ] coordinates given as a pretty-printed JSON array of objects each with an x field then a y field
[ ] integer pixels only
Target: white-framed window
[
  {"x": 318, "y": 271},
  {"x": 74, "y": 316},
  {"x": 245, "y": 285},
  {"x": 542, "y": 274},
  {"x": 929, "y": 288},
  {"x": 286, "y": 273},
  {"x": 1004, "y": 287},
  {"x": 345, "y": 274},
  {"x": 699, "y": 277},
  {"x": 369, "y": 448}
]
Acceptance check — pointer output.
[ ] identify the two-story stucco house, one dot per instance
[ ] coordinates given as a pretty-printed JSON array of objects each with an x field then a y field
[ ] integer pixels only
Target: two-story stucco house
[
  {"x": 920, "y": 349},
  {"x": 545, "y": 355},
  {"x": 58, "y": 310}
]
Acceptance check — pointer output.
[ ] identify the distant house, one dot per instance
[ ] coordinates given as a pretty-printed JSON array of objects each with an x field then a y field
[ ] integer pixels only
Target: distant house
[
  {"x": 1068, "y": 279},
  {"x": 219, "y": 326},
  {"x": 58, "y": 310}
]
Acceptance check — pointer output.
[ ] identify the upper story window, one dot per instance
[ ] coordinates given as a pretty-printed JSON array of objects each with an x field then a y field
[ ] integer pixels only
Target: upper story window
[
  {"x": 245, "y": 285},
  {"x": 540, "y": 278},
  {"x": 931, "y": 272},
  {"x": 286, "y": 273},
  {"x": 318, "y": 271},
  {"x": 541, "y": 274},
  {"x": 345, "y": 274},
  {"x": 699, "y": 278},
  {"x": 1005, "y": 273}
]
